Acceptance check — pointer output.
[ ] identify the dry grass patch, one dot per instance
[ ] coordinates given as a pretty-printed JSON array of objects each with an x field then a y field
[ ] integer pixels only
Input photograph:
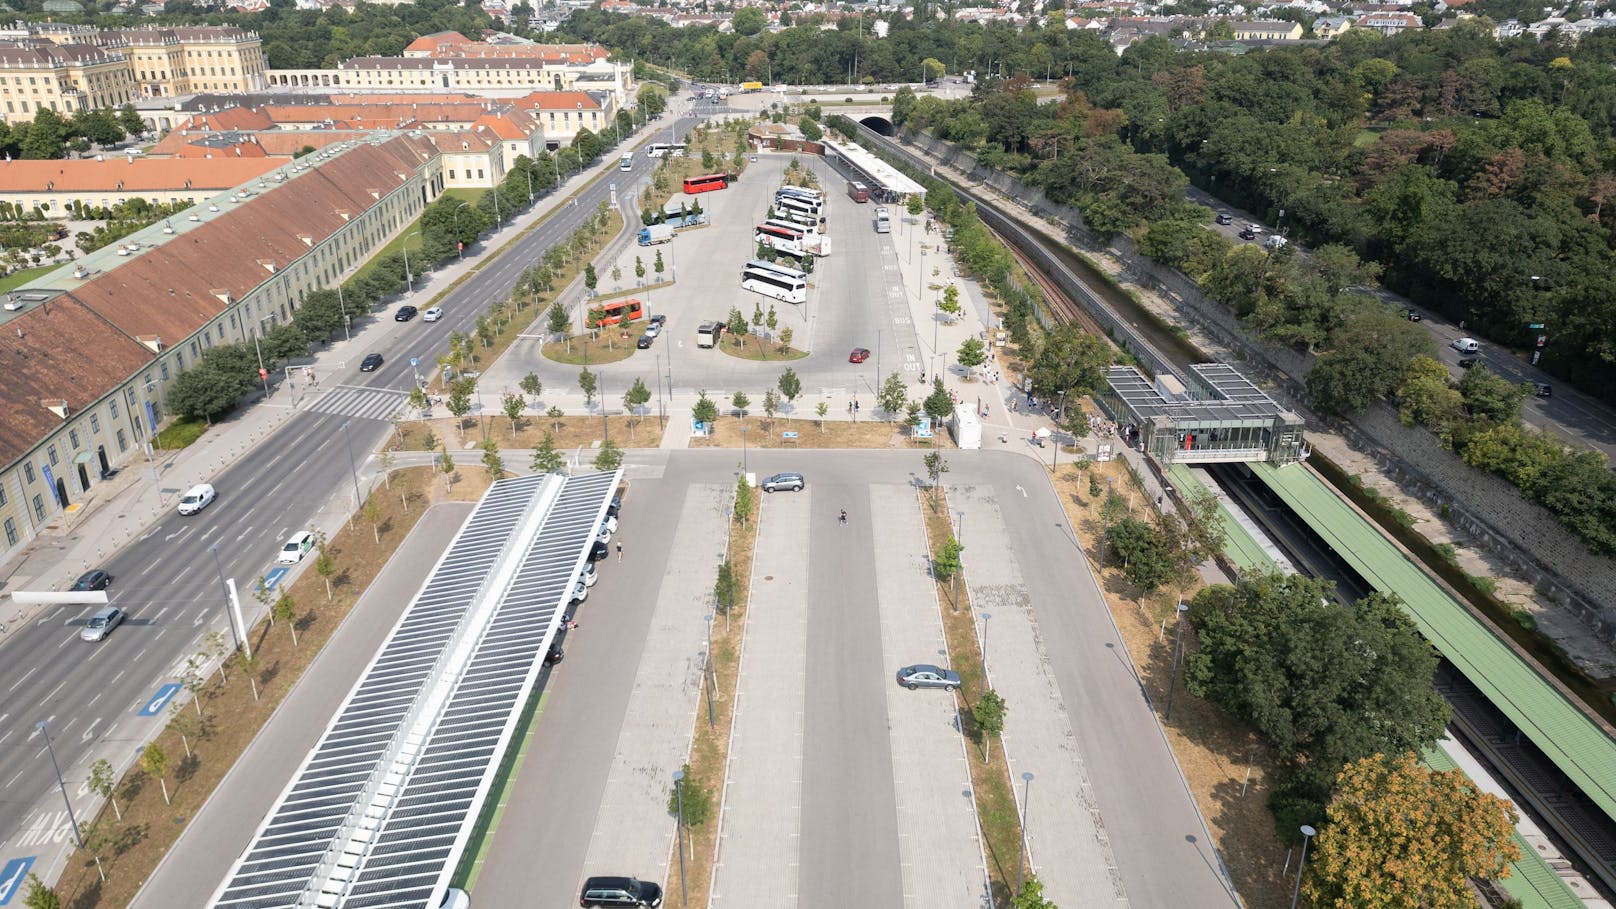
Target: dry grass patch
[
  {"x": 814, "y": 433},
  {"x": 1225, "y": 763},
  {"x": 756, "y": 348},
  {"x": 567, "y": 433},
  {"x": 709, "y": 749},
  {"x": 231, "y": 716},
  {"x": 997, "y": 814}
]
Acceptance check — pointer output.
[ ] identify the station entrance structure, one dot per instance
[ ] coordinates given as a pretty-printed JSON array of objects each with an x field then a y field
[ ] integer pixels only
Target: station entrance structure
[
  {"x": 1212, "y": 414},
  {"x": 883, "y": 180}
]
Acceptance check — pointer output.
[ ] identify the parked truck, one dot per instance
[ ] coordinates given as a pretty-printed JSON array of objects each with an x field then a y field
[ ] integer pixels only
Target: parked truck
[{"x": 656, "y": 233}]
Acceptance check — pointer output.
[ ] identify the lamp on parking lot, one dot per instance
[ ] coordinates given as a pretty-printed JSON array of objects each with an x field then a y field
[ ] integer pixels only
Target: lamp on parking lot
[
  {"x": 77, "y": 839},
  {"x": 1307, "y": 837},
  {"x": 679, "y": 799},
  {"x": 712, "y": 683},
  {"x": 743, "y": 442},
  {"x": 1026, "y": 791},
  {"x": 1178, "y": 650},
  {"x": 985, "y": 617}
]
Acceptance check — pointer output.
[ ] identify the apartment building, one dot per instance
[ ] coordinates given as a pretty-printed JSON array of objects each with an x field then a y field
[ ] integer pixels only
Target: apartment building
[{"x": 89, "y": 350}]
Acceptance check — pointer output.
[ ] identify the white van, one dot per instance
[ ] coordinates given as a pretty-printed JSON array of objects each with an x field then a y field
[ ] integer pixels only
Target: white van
[
  {"x": 1466, "y": 345},
  {"x": 196, "y": 498}
]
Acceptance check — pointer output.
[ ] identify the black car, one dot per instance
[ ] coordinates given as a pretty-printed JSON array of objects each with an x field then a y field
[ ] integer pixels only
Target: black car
[
  {"x": 93, "y": 580},
  {"x": 1225, "y": 218},
  {"x": 615, "y": 507},
  {"x": 1467, "y": 362},
  {"x": 619, "y": 891},
  {"x": 405, "y": 313},
  {"x": 1543, "y": 389},
  {"x": 370, "y": 363},
  {"x": 598, "y": 552},
  {"x": 659, "y": 320},
  {"x": 1246, "y": 233},
  {"x": 1413, "y": 315},
  {"x": 555, "y": 655},
  {"x": 645, "y": 342}
]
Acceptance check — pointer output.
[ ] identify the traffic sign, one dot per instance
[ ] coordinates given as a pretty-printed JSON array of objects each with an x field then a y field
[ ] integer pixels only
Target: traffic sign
[{"x": 788, "y": 435}]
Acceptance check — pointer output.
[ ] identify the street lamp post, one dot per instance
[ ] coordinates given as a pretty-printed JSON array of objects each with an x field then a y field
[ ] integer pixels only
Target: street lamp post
[
  {"x": 661, "y": 422},
  {"x": 229, "y": 617},
  {"x": 985, "y": 617},
  {"x": 343, "y": 305},
  {"x": 43, "y": 730},
  {"x": 707, "y": 673},
  {"x": 353, "y": 470},
  {"x": 1026, "y": 792},
  {"x": 679, "y": 799},
  {"x": 409, "y": 276},
  {"x": 1178, "y": 650},
  {"x": 743, "y": 444},
  {"x": 460, "y": 248},
  {"x": 1307, "y": 837}
]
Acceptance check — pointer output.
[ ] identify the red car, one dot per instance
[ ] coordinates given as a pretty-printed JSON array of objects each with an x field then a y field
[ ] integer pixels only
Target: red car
[{"x": 859, "y": 355}]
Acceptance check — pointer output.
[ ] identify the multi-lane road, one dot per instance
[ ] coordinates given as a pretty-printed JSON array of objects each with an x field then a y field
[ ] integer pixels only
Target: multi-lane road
[{"x": 167, "y": 580}]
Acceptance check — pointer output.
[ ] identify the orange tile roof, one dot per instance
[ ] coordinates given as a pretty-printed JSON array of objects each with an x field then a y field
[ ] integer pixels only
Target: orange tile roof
[
  {"x": 436, "y": 41},
  {"x": 173, "y": 290},
  {"x": 132, "y": 175},
  {"x": 557, "y": 101},
  {"x": 230, "y": 118},
  {"x": 511, "y": 124},
  {"x": 425, "y": 98},
  {"x": 375, "y": 116},
  {"x": 58, "y": 351}
]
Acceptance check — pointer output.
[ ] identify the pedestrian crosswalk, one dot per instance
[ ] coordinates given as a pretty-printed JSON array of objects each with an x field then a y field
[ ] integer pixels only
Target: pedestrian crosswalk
[{"x": 358, "y": 401}]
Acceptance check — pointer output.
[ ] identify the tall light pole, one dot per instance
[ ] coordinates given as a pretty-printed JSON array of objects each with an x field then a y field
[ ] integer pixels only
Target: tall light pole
[
  {"x": 679, "y": 799},
  {"x": 460, "y": 248},
  {"x": 743, "y": 443},
  {"x": 343, "y": 305},
  {"x": 1026, "y": 792},
  {"x": 229, "y": 617},
  {"x": 985, "y": 617},
  {"x": 353, "y": 470},
  {"x": 77, "y": 839},
  {"x": 712, "y": 684},
  {"x": 1178, "y": 650},
  {"x": 409, "y": 277},
  {"x": 661, "y": 422},
  {"x": 1307, "y": 837}
]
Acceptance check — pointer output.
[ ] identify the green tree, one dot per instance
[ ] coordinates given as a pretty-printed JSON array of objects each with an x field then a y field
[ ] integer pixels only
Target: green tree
[
  {"x": 636, "y": 397},
  {"x": 1145, "y": 555},
  {"x": 285, "y": 610},
  {"x": 743, "y": 499},
  {"x": 736, "y": 324},
  {"x": 589, "y": 384},
  {"x": 771, "y": 403},
  {"x": 609, "y": 457},
  {"x": 1399, "y": 835},
  {"x": 724, "y": 588},
  {"x": 44, "y": 137},
  {"x": 947, "y": 562},
  {"x": 102, "y": 781},
  {"x": 1491, "y": 398},
  {"x": 989, "y": 712},
  {"x": 748, "y": 21},
  {"x": 532, "y": 386},
  {"x": 936, "y": 466},
  {"x": 705, "y": 410},
  {"x": 950, "y": 302},
  {"x": 1366, "y": 359},
  {"x": 894, "y": 394},
  {"x": 1427, "y": 396},
  {"x": 545, "y": 458},
  {"x": 559, "y": 320},
  {"x": 971, "y": 354},
  {"x": 938, "y": 405},
  {"x": 40, "y": 896},
  {"x": 1325, "y": 684},
  {"x": 639, "y": 270},
  {"x": 657, "y": 265},
  {"x": 130, "y": 120},
  {"x": 790, "y": 386},
  {"x": 1072, "y": 361},
  {"x": 652, "y": 99},
  {"x": 933, "y": 69},
  {"x": 916, "y": 202},
  {"x": 591, "y": 280},
  {"x": 154, "y": 760},
  {"x": 492, "y": 462},
  {"x": 821, "y": 409},
  {"x": 325, "y": 562},
  {"x": 690, "y": 800},
  {"x": 741, "y": 402},
  {"x": 513, "y": 405},
  {"x": 1031, "y": 895}
]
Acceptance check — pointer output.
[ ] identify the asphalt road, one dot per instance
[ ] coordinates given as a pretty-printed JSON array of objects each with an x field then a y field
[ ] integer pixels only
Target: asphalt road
[
  {"x": 166, "y": 580},
  {"x": 1568, "y": 413}
]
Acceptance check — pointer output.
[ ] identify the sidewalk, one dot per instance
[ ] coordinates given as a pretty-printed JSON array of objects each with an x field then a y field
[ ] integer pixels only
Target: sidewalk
[{"x": 116, "y": 511}]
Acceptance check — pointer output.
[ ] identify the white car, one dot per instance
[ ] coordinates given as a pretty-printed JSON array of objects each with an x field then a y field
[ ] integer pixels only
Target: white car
[
  {"x": 433, "y": 314},
  {"x": 652, "y": 330},
  {"x": 590, "y": 574},
  {"x": 197, "y": 498},
  {"x": 296, "y": 548},
  {"x": 580, "y": 592}
]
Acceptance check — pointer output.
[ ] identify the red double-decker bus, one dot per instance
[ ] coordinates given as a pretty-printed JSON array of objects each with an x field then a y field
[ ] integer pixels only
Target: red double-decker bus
[
  {"x": 618, "y": 311},
  {"x": 705, "y": 184}
]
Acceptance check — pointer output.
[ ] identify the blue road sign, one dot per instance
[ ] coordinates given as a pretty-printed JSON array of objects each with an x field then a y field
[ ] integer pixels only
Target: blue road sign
[
  {"x": 159, "y": 700},
  {"x": 12, "y": 877},
  {"x": 788, "y": 435},
  {"x": 273, "y": 577}
]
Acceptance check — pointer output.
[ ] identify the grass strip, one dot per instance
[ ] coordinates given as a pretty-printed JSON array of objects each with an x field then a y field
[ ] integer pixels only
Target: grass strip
[
  {"x": 996, "y": 812},
  {"x": 510, "y": 766}
]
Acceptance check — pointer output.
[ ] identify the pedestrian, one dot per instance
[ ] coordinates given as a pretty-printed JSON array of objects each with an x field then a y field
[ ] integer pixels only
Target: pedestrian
[
  {"x": 620, "y": 551},
  {"x": 856, "y": 407},
  {"x": 849, "y": 406}
]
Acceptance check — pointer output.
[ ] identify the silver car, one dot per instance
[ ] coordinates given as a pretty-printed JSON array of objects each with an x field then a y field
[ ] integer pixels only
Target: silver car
[
  {"x": 792, "y": 482},
  {"x": 101, "y": 624},
  {"x": 925, "y": 675}
]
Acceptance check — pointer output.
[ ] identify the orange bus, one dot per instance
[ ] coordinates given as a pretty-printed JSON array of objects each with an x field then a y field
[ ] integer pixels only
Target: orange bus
[
  {"x": 705, "y": 184},
  {"x": 618, "y": 311}
]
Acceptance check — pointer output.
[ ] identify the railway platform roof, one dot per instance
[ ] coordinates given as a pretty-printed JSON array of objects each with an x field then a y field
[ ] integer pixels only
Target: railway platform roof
[{"x": 883, "y": 177}]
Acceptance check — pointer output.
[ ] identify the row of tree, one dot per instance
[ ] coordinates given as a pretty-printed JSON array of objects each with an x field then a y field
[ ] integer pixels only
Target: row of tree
[{"x": 1365, "y": 351}]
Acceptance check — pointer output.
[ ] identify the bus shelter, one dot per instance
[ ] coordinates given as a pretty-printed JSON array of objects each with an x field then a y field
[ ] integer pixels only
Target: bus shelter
[{"x": 1212, "y": 414}]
